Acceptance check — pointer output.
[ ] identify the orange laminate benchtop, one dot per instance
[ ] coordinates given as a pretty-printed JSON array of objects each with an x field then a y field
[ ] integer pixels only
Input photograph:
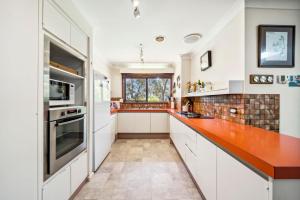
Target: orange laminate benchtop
[
  {"x": 155, "y": 110},
  {"x": 276, "y": 155}
]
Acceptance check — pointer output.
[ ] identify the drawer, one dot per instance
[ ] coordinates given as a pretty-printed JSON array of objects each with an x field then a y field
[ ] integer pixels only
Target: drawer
[{"x": 191, "y": 140}]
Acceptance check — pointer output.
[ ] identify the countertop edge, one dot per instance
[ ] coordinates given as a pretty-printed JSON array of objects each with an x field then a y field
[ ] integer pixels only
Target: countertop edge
[{"x": 260, "y": 165}]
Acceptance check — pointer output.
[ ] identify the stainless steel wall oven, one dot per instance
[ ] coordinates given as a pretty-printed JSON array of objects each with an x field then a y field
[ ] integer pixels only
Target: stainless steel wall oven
[{"x": 66, "y": 136}]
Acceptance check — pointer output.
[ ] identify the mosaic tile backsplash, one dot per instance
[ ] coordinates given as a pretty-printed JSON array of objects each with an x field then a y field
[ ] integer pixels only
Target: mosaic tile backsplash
[
  {"x": 144, "y": 105},
  {"x": 259, "y": 110}
]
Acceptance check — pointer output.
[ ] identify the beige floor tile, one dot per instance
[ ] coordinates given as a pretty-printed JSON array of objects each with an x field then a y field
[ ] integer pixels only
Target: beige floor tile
[{"x": 148, "y": 169}]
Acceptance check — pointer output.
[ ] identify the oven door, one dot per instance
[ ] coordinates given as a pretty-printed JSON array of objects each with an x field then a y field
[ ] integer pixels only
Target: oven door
[{"x": 67, "y": 138}]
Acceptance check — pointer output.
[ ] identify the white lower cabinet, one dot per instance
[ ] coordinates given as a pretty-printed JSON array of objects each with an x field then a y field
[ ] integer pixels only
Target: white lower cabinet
[
  {"x": 172, "y": 127},
  {"x": 219, "y": 175},
  {"x": 63, "y": 184},
  {"x": 134, "y": 123},
  {"x": 113, "y": 127},
  {"x": 191, "y": 161},
  {"x": 206, "y": 176},
  {"x": 79, "y": 172},
  {"x": 160, "y": 123},
  {"x": 143, "y": 123},
  {"x": 177, "y": 133},
  {"x": 58, "y": 188},
  {"x": 235, "y": 181}
]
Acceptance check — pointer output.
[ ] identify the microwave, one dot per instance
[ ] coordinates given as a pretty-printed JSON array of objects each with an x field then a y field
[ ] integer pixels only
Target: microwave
[{"x": 61, "y": 93}]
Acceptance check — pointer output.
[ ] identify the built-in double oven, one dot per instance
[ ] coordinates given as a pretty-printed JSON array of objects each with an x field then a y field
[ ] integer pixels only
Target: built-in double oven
[
  {"x": 66, "y": 136},
  {"x": 65, "y": 130}
]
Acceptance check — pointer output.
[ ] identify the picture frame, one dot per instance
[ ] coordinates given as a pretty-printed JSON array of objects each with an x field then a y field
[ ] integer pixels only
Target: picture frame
[
  {"x": 178, "y": 81},
  {"x": 205, "y": 61},
  {"x": 276, "y": 46}
]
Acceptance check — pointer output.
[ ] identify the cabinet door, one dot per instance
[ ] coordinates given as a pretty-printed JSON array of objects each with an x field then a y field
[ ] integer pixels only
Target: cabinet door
[
  {"x": 113, "y": 128},
  {"x": 179, "y": 136},
  {"x": 160, "y": 123},
  {"x": 191, "y": 161},
  {"x": 58, "y": 188},
  {"x": 134, "y": 122},
  {"x": 190, "y": 138},
  {"x": 206, "y": 167},
  {"x": 236, "y": 181},
  {"x": 55, "y": 22},
  {"x": 172, "y": 128},
  {"x": 79, "y": 40},
  {"x": 79, "y": 171}
]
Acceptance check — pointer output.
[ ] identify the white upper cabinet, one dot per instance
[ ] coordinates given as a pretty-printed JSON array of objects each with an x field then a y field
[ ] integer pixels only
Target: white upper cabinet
[
  {"x": 206, "y": 176},
  {"x": 79, "y": 40},
  {"x": 60, "y": 25},
  {"x": 160, "y": 123},
  {"x": 55, "y": 22},
  {"x": 236, "y": 181}
]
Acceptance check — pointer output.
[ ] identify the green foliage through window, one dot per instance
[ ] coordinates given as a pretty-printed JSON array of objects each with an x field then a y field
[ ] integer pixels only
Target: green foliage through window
[{"x": 149, "y": 89}]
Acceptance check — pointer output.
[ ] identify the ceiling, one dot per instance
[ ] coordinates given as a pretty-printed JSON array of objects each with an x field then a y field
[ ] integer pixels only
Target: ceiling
[{"x": 118, "y": 34}]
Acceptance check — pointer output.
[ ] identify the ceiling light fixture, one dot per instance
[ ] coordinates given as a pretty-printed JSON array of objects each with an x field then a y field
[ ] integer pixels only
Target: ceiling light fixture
[
  {"x": 192, "y": 38},
  {"x": 136, "y": 12},
  {"x": 135, "y": 3},
  {"x": 148, "y": 65},
  {"x": 141, "y": 53},
  {"x": 160, "y": 38}
]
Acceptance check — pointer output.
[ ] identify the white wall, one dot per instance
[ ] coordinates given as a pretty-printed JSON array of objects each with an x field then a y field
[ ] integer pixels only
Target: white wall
[
  {"x": 116, "y": 82},
  {"x": 177, "y": 72},
  {"x": 289, "y": 97},
  {"x": 116, "y": 77},
  {"x": 186, "y": 65},
  {"x": 19, "y": 99},
  {"x": 227, "y": 53}
]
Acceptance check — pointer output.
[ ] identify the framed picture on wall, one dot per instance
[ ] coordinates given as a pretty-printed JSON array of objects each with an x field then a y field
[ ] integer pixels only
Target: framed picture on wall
[
  {"x": 205, "y": 61},
  {"x": 276, "y": 46}
]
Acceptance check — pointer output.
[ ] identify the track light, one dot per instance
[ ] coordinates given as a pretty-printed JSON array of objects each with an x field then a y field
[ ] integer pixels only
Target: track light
[
  {"x": 136, "y": 13},
  {"x": 135, "y": 3},
  {"x": 142, "y": 53}
]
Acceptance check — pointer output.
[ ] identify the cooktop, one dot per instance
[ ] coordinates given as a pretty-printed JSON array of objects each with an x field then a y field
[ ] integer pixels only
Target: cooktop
[{"x": 195, "y": 115}]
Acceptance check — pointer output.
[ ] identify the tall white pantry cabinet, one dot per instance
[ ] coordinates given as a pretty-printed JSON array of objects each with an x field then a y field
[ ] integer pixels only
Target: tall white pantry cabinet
[
  {"x": 20, "y": 24},
  {"x": 64, "y": 183},
  {"x": 21, "y": 129}
]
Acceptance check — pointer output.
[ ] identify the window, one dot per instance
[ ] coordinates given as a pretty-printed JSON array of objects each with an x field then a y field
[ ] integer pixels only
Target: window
[{"x": 146, "y": 88}]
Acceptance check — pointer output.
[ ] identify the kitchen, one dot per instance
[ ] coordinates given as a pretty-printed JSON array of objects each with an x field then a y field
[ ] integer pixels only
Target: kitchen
[{"x": 150, "y": 100}]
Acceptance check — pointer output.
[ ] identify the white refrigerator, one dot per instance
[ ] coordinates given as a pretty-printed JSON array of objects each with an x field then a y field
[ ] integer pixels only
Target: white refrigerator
[{"x": 102, "y": 118}]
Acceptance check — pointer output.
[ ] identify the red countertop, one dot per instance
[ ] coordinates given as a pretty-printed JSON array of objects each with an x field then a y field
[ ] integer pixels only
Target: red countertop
[{"x": 276, "y": 155}]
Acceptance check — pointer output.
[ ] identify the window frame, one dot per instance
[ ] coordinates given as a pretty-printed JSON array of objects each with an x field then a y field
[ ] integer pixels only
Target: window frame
[{"x": 145, "y": 76}]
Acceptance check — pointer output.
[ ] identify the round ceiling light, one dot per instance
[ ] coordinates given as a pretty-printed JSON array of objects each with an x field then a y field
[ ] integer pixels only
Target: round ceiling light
[
  {"x": 160, "y": 38},
  {"x": 192, "y": 38}
]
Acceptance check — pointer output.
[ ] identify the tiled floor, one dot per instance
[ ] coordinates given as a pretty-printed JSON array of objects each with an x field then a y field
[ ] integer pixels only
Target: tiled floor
[{"x": 141, "y": 170}]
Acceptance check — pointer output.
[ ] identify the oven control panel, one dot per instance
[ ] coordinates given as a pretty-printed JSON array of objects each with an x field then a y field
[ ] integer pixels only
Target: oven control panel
[{"x": 61, "y": 113}]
